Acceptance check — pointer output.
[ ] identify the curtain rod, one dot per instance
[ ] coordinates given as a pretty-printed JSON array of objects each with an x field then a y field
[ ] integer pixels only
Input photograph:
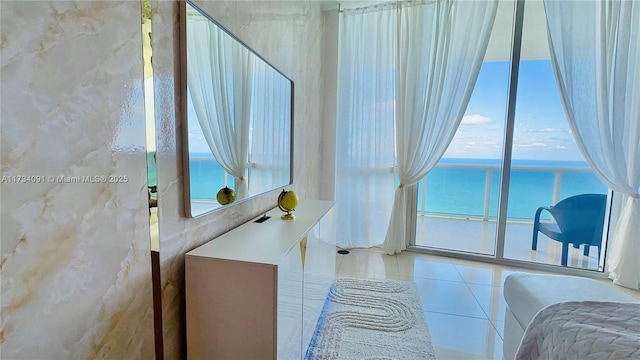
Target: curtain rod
[{"x": 342, "y": 8}]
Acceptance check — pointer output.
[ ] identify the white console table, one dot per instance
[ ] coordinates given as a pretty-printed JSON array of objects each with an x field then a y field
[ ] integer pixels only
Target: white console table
[{"x": 257, "y": 291}]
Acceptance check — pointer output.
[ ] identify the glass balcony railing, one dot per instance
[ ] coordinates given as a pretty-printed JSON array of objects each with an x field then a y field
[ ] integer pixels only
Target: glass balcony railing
[{"x": 471, "y": 190}]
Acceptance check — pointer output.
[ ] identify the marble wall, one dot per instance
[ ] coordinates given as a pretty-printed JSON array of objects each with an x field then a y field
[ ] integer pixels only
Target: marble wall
[
  {"x": 75, "y": 267},
  {"x": 288, "y": 34}
]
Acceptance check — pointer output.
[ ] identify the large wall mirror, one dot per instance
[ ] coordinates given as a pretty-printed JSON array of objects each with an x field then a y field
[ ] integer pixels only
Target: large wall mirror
[{"x": 238, "y": 123}]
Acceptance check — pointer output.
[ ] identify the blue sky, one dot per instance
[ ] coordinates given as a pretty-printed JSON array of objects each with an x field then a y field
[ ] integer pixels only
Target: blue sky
[{"x": 541, "y": 129}]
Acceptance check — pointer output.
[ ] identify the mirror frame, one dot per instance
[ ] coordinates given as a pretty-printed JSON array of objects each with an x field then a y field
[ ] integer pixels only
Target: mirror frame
[{"x": 183, "y": 107}]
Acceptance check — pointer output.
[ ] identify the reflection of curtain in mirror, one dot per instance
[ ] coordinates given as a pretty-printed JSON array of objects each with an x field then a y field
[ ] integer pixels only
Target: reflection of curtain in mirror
[
  {"x": 270, "y": 129},
  {"x": 219, "y": 80}
]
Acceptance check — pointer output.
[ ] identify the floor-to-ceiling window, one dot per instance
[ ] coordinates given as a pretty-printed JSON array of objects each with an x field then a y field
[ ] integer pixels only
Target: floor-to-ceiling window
[
  {"x": 458, "y": 202},
  {"x": 546, "y": 165}
]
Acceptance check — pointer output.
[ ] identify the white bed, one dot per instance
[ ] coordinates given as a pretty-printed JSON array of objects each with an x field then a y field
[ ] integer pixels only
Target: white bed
[
  {"x": 526, "y": 294},
  {"x": 584, "y": 330}
]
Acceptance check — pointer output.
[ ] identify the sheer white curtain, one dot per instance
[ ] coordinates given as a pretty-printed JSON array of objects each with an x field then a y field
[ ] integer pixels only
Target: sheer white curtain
[
  {"x": 595, "y": 52},
  {"x": 441, "y": 48},
  {"x": 221, "y": 97},
  {"x": 365, "y": 148},
  {"x": 270, "y": 152}
]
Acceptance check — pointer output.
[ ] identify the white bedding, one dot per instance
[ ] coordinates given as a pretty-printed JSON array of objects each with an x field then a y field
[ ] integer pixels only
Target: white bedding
[{"x": 583, "y": 330}]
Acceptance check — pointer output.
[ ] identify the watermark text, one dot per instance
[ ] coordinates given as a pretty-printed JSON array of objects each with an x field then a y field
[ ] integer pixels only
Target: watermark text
[{"x": 65, "y": 179}]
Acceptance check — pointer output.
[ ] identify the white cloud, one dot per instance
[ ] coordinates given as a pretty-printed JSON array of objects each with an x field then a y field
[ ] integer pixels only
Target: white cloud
[
  {"x": 558, "y": 147},
  {"x": 530, "y": 144},
  {"x": 475, "y": 120},
  {"x": 545, "y": 130}
]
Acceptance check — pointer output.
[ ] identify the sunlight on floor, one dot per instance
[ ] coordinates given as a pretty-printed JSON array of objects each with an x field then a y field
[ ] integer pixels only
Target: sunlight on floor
[{"x": 462, "y": 300}]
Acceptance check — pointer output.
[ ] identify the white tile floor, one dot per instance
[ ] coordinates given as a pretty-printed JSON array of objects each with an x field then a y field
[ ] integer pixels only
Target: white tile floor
[{"x": 462, "y": 300}]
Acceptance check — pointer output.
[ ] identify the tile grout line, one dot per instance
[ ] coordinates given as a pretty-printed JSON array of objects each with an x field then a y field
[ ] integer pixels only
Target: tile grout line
[{"x": 457, "y": 315}]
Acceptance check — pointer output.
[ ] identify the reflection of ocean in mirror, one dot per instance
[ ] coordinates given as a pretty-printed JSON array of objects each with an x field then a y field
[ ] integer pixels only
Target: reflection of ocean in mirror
[
  {"x": 206, "y": 177},
  {"x": 152, "y": 177}
]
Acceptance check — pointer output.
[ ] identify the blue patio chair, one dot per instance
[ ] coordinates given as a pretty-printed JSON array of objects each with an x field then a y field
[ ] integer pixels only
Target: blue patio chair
[{"x": 578, "y": 221}]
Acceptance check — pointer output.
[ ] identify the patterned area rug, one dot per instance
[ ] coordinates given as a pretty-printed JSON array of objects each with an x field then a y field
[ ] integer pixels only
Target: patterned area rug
[{"x": 372, "y": 319}]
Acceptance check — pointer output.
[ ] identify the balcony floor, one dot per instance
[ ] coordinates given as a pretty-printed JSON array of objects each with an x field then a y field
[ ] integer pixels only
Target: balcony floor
[{"x": 476, "y": 236}]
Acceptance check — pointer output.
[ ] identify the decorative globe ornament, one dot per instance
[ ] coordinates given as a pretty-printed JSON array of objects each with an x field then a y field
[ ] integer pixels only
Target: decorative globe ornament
[
  {"x": 287, "y": 202},
  {"x": 226, "y": 196}
]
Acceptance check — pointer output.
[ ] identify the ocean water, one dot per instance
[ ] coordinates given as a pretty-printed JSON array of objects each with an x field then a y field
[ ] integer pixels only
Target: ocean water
[
  {"x": 461, "y": 191},
  {"x": 152, "y": 178},
  {"x": 458, "y": 191},
  {"x": 206, "y": 177}
]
